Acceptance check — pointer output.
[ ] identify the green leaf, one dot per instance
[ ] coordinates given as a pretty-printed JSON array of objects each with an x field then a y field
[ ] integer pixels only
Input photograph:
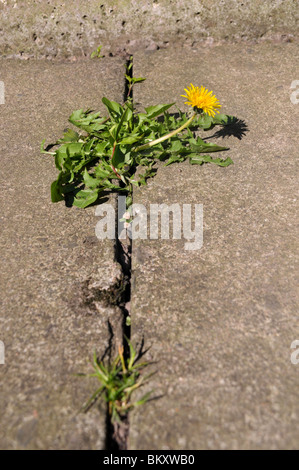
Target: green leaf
[
  {"x": 97, "y": 53},
  {"x": 86, "y": 197},
  {"x": 89, "y": 181},
  {"x": 223, "y": 119},
  {"x": 100, "y": 147},
  {"x": 118, "y": 157},
  {"x": 138, "y": 79},
  {"x": 101, "y": 173},
  {"x": 131, "y": 139},
  {"x": 176, "y": 146},
  {"x": 200, "y": 159},
  {"x": 204, "y": 147},
  {"x": 69, "y": 136},
  {"x": 56, "y": 190},
  {"x": 66, "y": 152},
  {"x": 87, "y": 148},
  {"x": 128, "y": 67},
  {"x": 154, "y": 111},
  {"x": 59, "y": 159},
  {"x": 205, "y": 121},
  {"x": 72, "y": 149},
  {"x": 87, "y": 121},
  {"x": 76, "y": 116},
  {"x": 127, "y": 116},
  {"x": 143, "y": 400},
  {"x": 112, "y": 106},
  {"x": 174, "y": 159}
]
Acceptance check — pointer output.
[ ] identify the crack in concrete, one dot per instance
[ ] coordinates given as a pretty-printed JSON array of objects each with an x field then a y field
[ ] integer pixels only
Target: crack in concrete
[{"x": 117, "y": 434}]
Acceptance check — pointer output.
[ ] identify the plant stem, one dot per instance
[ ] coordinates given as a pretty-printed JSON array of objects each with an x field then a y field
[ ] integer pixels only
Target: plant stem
[
  {"x": 165, "y": 137},
  {"x": 114, "y": 170},
  {"x": 130, "y": 89}
]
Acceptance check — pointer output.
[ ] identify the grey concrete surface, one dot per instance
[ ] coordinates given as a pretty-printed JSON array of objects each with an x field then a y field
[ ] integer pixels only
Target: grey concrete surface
[
  {"x": 50, "y": 260},
  {"x": 220, "y": 321},
  {"x": 56, "y": 28}
]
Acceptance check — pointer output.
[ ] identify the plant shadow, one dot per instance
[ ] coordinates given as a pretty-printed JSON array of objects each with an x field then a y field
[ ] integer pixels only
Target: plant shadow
[{"x": 234, "y": 128}]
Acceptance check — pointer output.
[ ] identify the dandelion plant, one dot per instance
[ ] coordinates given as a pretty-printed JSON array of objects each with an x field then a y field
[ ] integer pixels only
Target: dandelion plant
[{"x": 105, "y": 152}]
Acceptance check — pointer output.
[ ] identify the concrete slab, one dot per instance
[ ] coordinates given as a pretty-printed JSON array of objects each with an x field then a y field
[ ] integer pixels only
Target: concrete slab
[
  {"x": 220, "y": 321},
  {"x": 50, "y": 260},
  {"x": 55, "y": 28}
]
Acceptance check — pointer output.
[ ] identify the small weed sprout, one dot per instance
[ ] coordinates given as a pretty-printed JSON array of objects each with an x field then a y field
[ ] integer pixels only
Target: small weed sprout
[
  {"x": 131, "y": 80},
  {"x": 118, "y": 380},
  {"x": 97, "y": 53}
]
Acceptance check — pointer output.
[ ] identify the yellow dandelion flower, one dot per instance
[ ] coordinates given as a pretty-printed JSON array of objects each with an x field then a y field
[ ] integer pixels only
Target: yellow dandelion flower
[{"x": 203, "y": 99}]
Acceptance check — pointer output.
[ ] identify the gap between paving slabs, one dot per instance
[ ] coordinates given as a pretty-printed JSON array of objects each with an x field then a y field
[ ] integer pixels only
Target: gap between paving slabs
[{"x": 117, "y": 434}]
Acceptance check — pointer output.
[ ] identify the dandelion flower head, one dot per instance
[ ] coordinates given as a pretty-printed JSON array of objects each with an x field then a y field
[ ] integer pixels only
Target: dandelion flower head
[{"x": 203, "y": 99}]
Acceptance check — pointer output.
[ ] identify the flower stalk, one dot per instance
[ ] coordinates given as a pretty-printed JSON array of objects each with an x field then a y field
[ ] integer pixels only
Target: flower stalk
[{"x": 165, "y": 137}]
